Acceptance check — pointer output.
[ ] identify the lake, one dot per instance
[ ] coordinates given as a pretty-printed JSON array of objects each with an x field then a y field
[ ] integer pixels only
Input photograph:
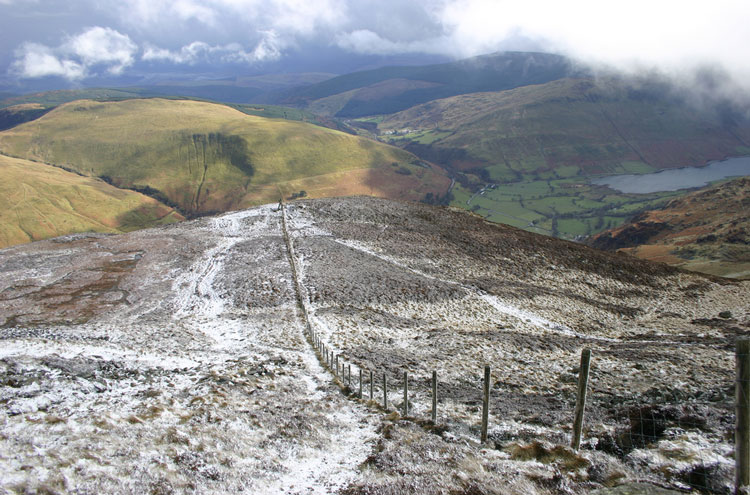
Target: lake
[{"x": 679, "y": 178}]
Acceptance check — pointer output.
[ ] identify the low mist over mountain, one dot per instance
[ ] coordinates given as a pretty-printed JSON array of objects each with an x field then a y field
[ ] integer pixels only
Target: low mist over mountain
[
  {"x": 181, "y": 353},
  {"x": 391, "y": 89}
]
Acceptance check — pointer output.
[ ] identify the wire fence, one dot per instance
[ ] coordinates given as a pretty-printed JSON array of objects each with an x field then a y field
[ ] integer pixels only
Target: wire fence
[
  {"x": 692, "y": 443},
  {"x": 693, "y": 439}
]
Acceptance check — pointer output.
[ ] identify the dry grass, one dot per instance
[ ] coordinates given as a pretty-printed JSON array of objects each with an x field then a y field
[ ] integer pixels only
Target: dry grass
[{"x": 38, "y": 201}]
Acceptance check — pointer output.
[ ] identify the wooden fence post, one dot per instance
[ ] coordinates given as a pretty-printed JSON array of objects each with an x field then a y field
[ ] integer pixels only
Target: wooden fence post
[
  {"x": 372, "y": 397},
  {"x": 406, "y": 393},
  {"x": 349, "y": 370},
  {"x": 434, "y": 397},
  {"x": 485, "y": 403},
  {"x": 360, "y": 383},
  {"x": 385, "y": 391},
  {"x": 742, "y": 426},
  {"x": 583, "y": 380}
]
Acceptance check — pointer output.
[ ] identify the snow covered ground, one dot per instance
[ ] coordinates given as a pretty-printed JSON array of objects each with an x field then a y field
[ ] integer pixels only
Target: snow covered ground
[
  {"x": 173, "y": 360},
  {"x": 213, "y": 389}
]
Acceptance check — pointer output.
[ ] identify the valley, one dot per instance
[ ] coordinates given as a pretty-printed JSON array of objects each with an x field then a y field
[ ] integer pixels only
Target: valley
[
  {"x": 445, "y": 247},
  {"x": 530, "y": 156},
  {"x": 523, "y": 139},
  {"x": 531, "y": 152}
]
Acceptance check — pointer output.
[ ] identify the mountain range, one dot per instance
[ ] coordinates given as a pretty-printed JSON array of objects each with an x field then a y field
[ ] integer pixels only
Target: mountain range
[{"x": 515, "y": 137}]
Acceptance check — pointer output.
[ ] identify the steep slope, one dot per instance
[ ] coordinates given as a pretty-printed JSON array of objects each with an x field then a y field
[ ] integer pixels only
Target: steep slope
[
  {"x": 38, "y": 201},
  {"x": 567, "y": 127},
  {"x": 707, "y": 231},
  {"x": 391, "y": 89},
  {"x": 205, "y": 157},
  {"x": 18, "y": 114},
  {"x": 175, "y": 359}
]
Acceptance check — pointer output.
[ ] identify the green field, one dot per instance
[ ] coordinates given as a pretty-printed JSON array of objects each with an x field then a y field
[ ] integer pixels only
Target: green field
[{"x": 567, "y": 208}]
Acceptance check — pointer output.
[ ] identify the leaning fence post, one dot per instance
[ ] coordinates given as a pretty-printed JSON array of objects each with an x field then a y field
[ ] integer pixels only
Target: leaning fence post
[
  {"x": 742, "y": 427},
  {"x": 583, "y": 379},
  {"x": 385, "y": 391},
  {"x": 406, "y": 393},
  {"x": 485, "y": 403},
  {"x": 360, "y": 383},
  {"x": 434, "y": 397}
]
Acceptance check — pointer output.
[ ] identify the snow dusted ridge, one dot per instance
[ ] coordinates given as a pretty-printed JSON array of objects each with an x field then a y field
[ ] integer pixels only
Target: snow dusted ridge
[
  {"x": 198, "y": 302},
  {"x": 173, "y": 360},
  {"x": 198, "y": 384}
]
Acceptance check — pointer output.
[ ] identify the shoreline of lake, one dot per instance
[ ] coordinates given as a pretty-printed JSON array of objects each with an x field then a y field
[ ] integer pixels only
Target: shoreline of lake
[{"x": 677, "y": 178}]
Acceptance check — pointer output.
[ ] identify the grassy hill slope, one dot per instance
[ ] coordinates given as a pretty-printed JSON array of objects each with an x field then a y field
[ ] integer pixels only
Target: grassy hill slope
[
  {"x": 391, "y": 89},
  {"x": 38, "y": 201},
  {"x": 205, "y": 157},
  {"x": 707, "y": 231}
]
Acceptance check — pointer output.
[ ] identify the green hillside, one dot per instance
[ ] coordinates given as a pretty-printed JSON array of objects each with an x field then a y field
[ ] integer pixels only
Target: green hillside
[
  {"x": 391, "y": 89},
  {"x": 204, "y": 157},
  {"x": 38, "y": 201},
  {"x": 566, "y": 128}
]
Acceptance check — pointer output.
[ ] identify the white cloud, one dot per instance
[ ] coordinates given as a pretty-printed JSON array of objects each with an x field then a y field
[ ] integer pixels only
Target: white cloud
[
  {"x": 188, "y": 54},
  {"x": 269, "y": 25},
  {"x": 671, "y": 35},
  {"x": 198, "y": 51},
  {"x": 301, "y": 17},
  {"x": 100, "y": 45},
  {"x": 74, "y": 59},
  {"x": 668, "y": 34},
  {"x": 368, "y": 42},
  {"x": 35, "y": 60}
]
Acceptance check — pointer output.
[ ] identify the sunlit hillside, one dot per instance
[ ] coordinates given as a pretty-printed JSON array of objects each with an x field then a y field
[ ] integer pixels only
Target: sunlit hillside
[
  {"x": 203, "y": 157},
  {"x": 38, "y": 201}
]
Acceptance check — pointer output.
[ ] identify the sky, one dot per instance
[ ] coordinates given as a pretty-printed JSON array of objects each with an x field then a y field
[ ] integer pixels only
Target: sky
[{"x": 80, "y": 42}]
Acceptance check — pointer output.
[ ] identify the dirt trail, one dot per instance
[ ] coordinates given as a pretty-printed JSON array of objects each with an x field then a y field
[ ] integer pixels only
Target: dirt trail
[{"x": 202, "y": 379}]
